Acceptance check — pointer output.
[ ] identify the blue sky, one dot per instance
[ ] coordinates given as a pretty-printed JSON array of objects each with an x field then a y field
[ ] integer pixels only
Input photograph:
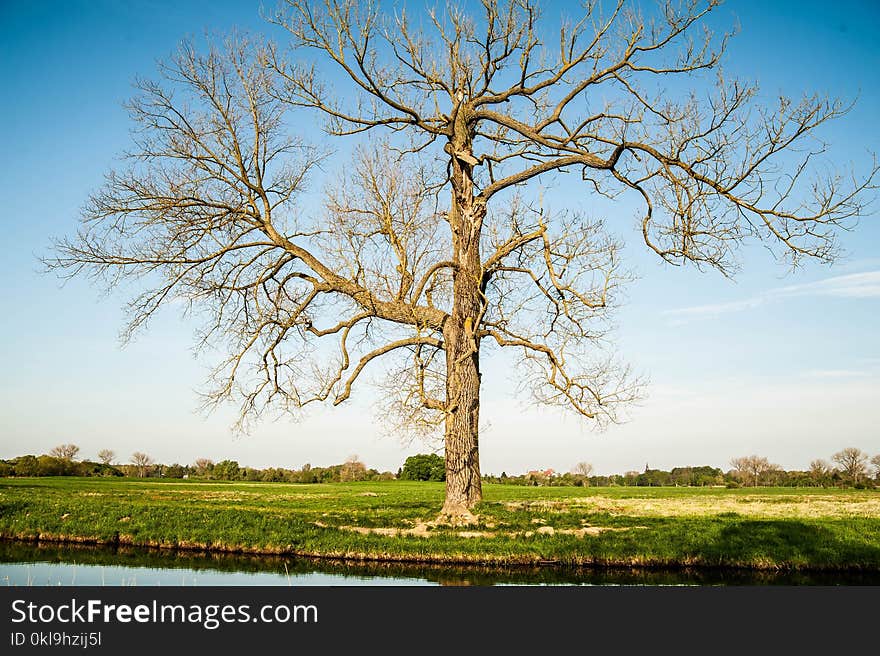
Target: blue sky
[{"x": 778, "y": 363}]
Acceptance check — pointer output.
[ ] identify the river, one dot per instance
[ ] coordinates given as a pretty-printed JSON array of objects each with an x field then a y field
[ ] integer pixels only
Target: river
[{"x": 31, "y": 564}]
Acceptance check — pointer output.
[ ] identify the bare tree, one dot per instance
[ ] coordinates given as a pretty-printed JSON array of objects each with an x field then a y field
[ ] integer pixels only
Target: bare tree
[
  {"x": 435, "y": 247},
  {"x": 753, "y": 468},
  {"x": 142, "y": 462},
  {"x": 875, "y": 462},
  {"x": 740, "y": 467},
  {"x": 203, "y": 466},
  {"x": 819, "y": 469},
  {"x": 584, "y": 469},
  {"x": 64, "y": 451},
  {"x": 106, "y": 456},
  {"x": 353, "y": 470},
  {"x": 853, "y": 462}
]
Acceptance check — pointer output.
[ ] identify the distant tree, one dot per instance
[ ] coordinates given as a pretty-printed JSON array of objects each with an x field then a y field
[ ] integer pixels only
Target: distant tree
[
  {"x": 227, "y": 470},
  {"x": 26, "y": 465},
  {"x": 819, "y": 467},
  {"x": 106, "y": 456},
  {"x": 656, "y": 477},
  {"x": 251, "y": 474},
  {"x": 65, "y": 451},
  {"x": 203, "y": 466},
  {"x": 423, "y": 467},
  {"x": 740, "y": 467},
  {"x": 819, "y": 470},
  {"x": 175, "y": 471},
  {"x": 306, "y": 475},
  {"x": 875, "y": 462},
  {"x": 853, "y": 462},
  {"x": 352, "y": 470},
  {"x": 772, "y": 475},
  {"x": 705, "y": 475},
  {"x": 753, "y": 468},
  {"x": 54, "y": 466},
  {"x": 581, "y": 473},
  {"x": 273, "y": 475},
  {"x": 143, "y": 462}
]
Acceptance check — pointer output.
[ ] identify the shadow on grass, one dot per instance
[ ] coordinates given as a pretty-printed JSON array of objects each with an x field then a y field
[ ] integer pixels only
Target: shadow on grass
[{"x": 823, "y": 543}]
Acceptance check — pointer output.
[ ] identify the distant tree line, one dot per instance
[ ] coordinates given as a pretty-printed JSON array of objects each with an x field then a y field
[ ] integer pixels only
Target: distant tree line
[
  {"x": 851, "y": 467},
  {"x": 60, "y": 461},
  {"x": 678, "y": 476},
  {"x": 46, "y": 465}
]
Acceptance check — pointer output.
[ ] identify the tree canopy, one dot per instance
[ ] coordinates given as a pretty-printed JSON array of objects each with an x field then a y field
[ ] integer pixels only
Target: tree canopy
[{"x": 431, "y": 246}]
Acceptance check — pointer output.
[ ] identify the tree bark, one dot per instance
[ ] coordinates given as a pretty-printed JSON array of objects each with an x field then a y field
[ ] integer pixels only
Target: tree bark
[
  {"x": 463, "y": 484},
  {"x": 461, "y": 334}
]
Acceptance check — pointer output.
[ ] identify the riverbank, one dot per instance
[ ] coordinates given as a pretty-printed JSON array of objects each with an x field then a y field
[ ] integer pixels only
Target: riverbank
[{"x": 763, "y": 528}]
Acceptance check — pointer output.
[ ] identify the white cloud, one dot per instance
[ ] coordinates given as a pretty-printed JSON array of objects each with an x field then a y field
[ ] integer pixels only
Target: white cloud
[{"x": 854, "y": 285}]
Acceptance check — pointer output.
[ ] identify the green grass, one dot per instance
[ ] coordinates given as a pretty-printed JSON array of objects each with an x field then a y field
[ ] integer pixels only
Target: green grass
[{"x": 772, "y": 528}]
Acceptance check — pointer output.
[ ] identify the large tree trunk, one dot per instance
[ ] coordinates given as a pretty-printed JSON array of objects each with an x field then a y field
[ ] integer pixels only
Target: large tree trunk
[
  {"x": 461, "y": 337},
  {"x": 463, "y": 484}
]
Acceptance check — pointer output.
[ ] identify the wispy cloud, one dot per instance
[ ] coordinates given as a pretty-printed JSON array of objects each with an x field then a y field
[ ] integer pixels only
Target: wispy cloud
[{"x": 854, "y": 285}]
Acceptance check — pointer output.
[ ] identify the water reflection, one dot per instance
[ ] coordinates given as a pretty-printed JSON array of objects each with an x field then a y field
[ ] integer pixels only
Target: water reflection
[{"x": 25, "y": 563}]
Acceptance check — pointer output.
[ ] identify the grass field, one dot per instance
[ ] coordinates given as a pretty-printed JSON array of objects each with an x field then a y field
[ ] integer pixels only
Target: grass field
[{"x": 771, "y": 528}]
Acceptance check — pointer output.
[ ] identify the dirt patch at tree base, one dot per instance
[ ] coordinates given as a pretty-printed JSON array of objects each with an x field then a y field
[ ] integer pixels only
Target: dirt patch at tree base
[{"x": 428, "y": 529}]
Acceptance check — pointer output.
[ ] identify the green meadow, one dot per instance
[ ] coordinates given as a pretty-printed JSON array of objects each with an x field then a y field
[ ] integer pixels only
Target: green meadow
[{"x": 766, "y": 528}]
